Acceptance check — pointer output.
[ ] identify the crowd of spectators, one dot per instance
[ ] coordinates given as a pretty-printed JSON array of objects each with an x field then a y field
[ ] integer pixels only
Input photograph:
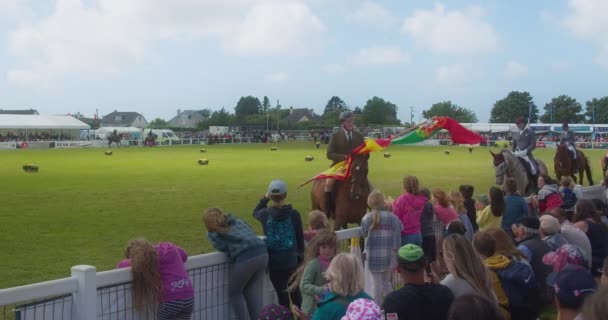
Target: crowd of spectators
[{"x": 497, "y": 255}]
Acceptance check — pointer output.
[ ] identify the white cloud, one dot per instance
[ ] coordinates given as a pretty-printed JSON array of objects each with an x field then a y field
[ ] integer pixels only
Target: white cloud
[
  {"x": 371, "y": 13},
  {"x": 279, "y": 27},
  {"x": 515, "y": 69},
  {"x": 333, "y": 68},
  {"x": 276, "y": 77},
  {"x": 456, "y": 74},
  {"x": 103, "y": 38},
  {"x": 379, "y": 55},
  {"x": 456, "y": 31},
  {"x": 588, "y": 20}
]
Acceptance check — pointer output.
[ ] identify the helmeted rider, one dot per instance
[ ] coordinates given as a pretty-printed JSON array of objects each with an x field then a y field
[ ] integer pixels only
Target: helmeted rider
[
  {"x": 524, "y": 141},
  {"x": 341, "y": 144},
  {"x": 567, "y": 137}
]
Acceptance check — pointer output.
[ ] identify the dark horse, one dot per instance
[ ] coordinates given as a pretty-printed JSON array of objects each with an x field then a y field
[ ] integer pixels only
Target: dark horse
[
  {"x": 350, "y": 195},
  {"x": 564, "y": 165},
  {"x": 114, "y": 138},
  {"x": 604, "y": 164},
  {"x": 508, "y": 165},
  {"x": 150, "y": 141}
]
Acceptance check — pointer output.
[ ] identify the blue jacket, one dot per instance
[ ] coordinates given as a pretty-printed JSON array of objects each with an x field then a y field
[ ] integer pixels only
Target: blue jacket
[
  {"x": 515, "y": 208},
  {"x": 239, "y": 243},
  {"x": 333, "y": 307}
]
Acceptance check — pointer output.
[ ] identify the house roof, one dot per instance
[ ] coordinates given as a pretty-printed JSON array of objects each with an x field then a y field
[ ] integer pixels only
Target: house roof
[
  {"x": 297, "y": 114},
  {"x": 23, "y": 112},
  {"x": 127, "y": 118},
  {"x": 182, "y": 118},
  {"x": 18, "y": 121}
]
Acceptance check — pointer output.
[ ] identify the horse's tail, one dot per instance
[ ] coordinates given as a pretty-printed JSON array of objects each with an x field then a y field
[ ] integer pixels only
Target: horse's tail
[{"x": 588, "y": 171}]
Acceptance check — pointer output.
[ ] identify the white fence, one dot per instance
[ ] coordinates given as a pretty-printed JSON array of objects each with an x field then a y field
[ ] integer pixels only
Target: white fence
[{"x": 91, "y": 295}]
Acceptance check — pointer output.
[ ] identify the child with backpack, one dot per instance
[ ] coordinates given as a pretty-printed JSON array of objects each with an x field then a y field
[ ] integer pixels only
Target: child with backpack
[
  {"x": 514, "y": 281},
  {"x": 282, "y": 226},
  {"x": 160, "y": 276},
  {"x": 382, "y": 231},
  {"x": 309, "y": 277}
]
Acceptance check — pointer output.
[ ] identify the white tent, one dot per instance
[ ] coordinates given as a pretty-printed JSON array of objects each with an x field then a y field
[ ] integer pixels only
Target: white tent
[{"x": 27, "y": 122}]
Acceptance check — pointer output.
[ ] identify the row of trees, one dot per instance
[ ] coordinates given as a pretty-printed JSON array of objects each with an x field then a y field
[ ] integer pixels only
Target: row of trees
[{"x": 377, "y": 111}]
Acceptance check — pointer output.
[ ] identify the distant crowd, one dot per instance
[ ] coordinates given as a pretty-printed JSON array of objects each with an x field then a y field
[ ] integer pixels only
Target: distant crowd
[{"x": 459, "y": 256}]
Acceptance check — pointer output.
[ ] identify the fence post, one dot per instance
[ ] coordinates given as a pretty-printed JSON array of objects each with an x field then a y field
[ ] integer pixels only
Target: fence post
[{"x": 85, "y": 299}]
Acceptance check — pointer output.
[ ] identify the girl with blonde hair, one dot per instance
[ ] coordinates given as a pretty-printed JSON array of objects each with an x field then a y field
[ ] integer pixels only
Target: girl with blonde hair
[
  {"x": 458, "y": 204},
  {"x": 317, "y": 220},
  {"x": 309, "y": 276},
  {"x": 249, "y": 258},
  {"x": 345, "y": 283},
  {"x": 382, "y": 232},
  {"x": 160, "y": 277}
]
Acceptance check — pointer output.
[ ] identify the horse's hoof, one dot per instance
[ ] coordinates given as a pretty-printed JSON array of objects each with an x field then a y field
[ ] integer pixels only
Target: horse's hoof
[
  {"x": 387, "y": 155},
  {"x": 203, "y": 162},
  {"x": 108, "y": 153},
  {"x": 274, "y": 149},
  {"x": 309, "y": 158},
  {"x": 30, "y": 167},
  {"x": 203, "y": 150}
]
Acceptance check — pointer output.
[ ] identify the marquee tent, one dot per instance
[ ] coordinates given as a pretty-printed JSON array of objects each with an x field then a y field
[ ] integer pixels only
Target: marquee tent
[{"x": 17, "y": 121}]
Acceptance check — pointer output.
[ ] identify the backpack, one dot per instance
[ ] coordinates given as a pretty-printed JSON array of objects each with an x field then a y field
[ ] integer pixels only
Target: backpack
[
  {"x": 280, "y": 235},
  {"x": 518, "y": 281}
]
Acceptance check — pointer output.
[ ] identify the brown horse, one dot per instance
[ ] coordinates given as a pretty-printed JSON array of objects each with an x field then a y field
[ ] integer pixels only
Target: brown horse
[
  {"x": 564, "y": 165},
  {"x": 604, "y": 164},
  {"x": 350, "y": 195}
]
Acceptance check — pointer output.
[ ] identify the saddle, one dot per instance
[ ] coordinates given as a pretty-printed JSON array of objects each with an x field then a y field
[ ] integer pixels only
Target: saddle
[{"x": 526, "y": 166}]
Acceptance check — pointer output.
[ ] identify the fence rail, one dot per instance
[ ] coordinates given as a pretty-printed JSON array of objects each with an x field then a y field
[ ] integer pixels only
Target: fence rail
[{"x": 89, "y": 295}]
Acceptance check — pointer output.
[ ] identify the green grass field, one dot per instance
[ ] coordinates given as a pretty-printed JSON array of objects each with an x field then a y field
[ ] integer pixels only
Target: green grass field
[{"x": 82, "y": 207}]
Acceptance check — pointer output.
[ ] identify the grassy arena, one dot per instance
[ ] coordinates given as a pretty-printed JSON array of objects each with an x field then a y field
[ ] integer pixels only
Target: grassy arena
[{"x": 82, "y": 207}]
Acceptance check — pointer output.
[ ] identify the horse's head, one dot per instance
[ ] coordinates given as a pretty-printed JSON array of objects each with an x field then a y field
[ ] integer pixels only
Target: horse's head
[
  {"x": 500, "y": 167},
  {"x": 358, "y": 176}
]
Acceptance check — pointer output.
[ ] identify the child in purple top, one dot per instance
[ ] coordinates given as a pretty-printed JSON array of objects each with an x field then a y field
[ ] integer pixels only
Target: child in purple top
[{"x": 160, "y": 276}]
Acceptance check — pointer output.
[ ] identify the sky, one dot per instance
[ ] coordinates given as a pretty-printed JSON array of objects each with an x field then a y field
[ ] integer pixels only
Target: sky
[{"x": 158, "y": 56}]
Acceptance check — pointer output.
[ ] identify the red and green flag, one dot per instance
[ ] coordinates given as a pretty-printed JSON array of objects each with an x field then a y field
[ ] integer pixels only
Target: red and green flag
[{"x": 458, "y": 133}]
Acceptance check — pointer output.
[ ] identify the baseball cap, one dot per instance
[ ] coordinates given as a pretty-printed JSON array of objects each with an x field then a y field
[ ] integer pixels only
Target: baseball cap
[
  {"x": 410, "y": 252},
  {"x": 549, "y": 224},
  {"x": 363, "y": 309},
  {"x": 483, "y": 199},
  {"x": 571, "y": 285},
  {"x": 529, "y": 222},
  {"x": 277, "y": 187},
  {"x": 565, "y": 255}
]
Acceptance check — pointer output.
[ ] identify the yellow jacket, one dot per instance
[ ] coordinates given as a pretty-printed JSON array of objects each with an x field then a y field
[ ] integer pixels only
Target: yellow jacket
[
  {"x": 499, "y": 261},
  {"x": 486, "y": 220}
]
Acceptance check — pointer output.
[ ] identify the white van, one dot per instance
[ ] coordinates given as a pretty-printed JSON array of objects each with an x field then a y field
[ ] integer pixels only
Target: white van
[{"x": 163, "y": 136}]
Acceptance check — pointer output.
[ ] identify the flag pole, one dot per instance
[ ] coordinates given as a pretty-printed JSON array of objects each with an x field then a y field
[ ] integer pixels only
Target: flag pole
[{"x": 408, "y": 130}]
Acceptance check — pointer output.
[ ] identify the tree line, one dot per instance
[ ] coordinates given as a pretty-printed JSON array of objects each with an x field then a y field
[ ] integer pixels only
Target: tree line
[{"x": 250, "y": 110}]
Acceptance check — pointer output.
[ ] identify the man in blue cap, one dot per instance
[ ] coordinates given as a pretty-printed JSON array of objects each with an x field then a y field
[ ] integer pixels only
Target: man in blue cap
[{"x": 341, "y": 144}]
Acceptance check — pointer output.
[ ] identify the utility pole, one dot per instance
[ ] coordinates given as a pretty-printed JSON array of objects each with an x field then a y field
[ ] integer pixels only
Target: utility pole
[
  {"x": 412, "y": 115},
  {"x": 278, "y": 114}
]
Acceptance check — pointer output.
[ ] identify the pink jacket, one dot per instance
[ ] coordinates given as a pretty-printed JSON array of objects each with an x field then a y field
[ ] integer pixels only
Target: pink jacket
[
  {"x": 408, "y": 209},
  {"x": 445, "y": 214},
  {"x": 176, "y": 282}
]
